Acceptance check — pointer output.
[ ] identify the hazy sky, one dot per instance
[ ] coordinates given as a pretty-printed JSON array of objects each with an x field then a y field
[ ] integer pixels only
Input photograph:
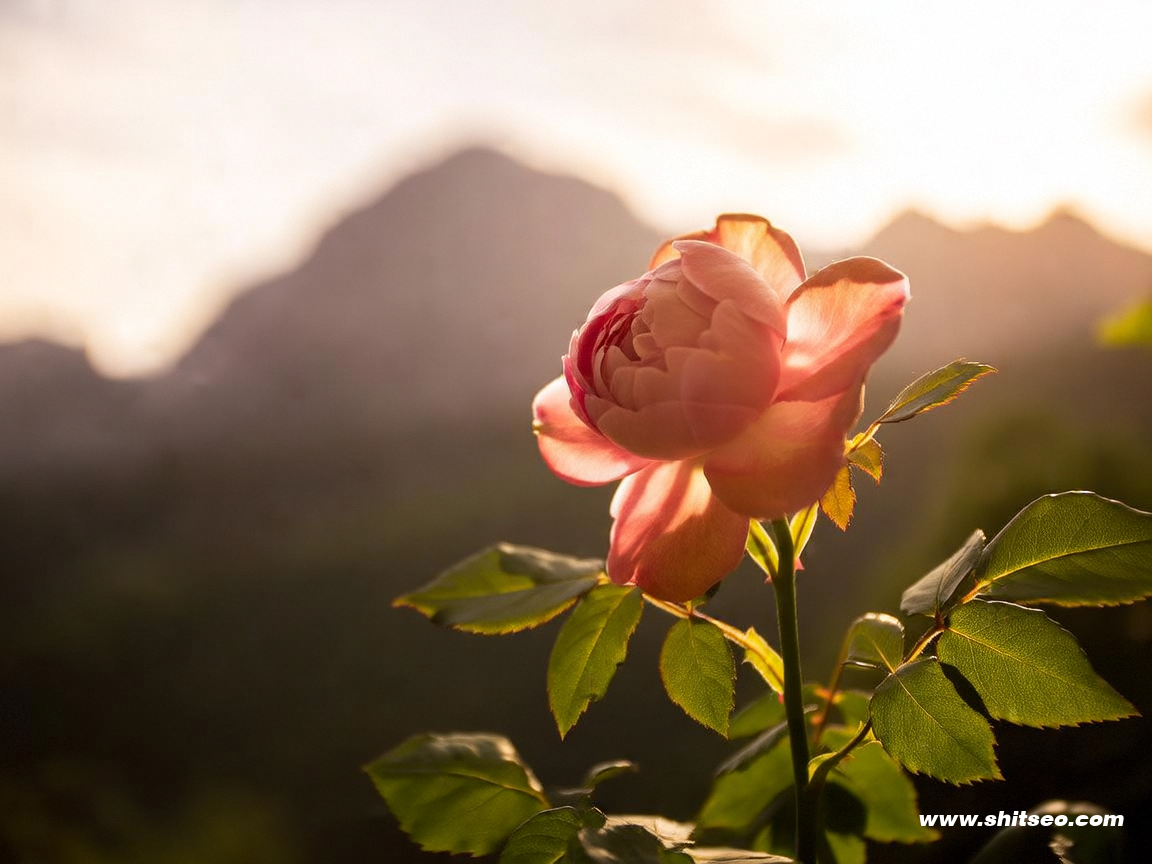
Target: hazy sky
[{"x": 157, "y": 154}]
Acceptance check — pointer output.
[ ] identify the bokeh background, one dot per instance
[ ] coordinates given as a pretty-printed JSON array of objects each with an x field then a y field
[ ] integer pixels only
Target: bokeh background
[{"x": 278, "y": 281}]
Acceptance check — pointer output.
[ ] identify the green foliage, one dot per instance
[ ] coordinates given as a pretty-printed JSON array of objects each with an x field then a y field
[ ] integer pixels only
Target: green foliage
[
  {"x": 1131, "y": 327},
  {"x": 739, "y": 797},
  {"x": 763, "y": 658},
  {"x": 801, "y": 526},
  {"x": 869, "y": 457},
  {"x": 1026, "y": 667},
  {"x": 698, "y": 673},
  {"x": 935, "y": 592},
  {"x": 933, "y": 390},
  {"x": 762, "y": 712},
  {"x": 846, "y": 848},
  {"x": 762, "y": 548},
  {"x": 853, "y": 706},
  {"x": 876, "y": 639},
  {"x": 458, "y": 792},
  {"x": 504, "y": 589},
  {"x": 589, "y": 647},
  {"x": 603, "y": 771},
  {"x": 762, "y": 743},
  {"x": 887, "y": 793},
  {"x": 550, "y": 837},
  {"x": 1072, "y": 549},
  {"x": 925, "y": 726},
  {"x": 840, "y": 499}
]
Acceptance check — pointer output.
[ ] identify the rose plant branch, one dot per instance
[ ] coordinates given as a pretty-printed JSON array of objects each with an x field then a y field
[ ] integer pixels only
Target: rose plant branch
[{"x": 720, "y": 390}]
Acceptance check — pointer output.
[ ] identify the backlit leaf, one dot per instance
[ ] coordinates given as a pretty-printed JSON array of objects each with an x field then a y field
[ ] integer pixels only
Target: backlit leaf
[
  {"x": 762, "y": 743},
  {"x": 698, "y": 673},
  {"x": 458, "y": 792},
  {"x": 762, "y": 712},
  {"x": 935, "y": 592},
  {"x": 739, "y": 797},
  {"x": 762, "y": 548},
  {"x": 589, "y": 647},
  {"x": 801, "y": 525},
  {"x": 933, "y": 390},
  {"x": 869, "y": 457},
  {"x": 1026, "y": 667},
  {"x": 764, "y": 659},
  {"x": 504, "y": 589},
  {"x": 925, "y": 726},
  {"x": 840, "y": 499},
  {"x": 876, "y": 639},
  {"x": 887, "y": 793},
  {"x": 637, "y": 840},
  {"x": 602, "y": 771},
  {"x": 550, "y": 837},
  {"x": 1072, "y": 549}
]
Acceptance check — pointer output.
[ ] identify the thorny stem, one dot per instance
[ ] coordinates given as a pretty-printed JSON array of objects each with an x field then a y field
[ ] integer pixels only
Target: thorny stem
[{"x": 785, "y": 587}]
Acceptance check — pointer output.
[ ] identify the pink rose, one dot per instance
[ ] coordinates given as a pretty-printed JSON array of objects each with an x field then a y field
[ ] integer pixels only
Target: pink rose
[{"x": 721, "y": 386}]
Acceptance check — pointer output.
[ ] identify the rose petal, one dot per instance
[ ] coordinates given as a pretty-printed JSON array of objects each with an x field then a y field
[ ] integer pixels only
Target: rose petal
[
  {"x": 769, "y": 250},
  {"x": 839, "y": 322},
  {"x": 788, "y": 458},
  {"x": 723, "y": 275},
  {"x": 571, "y": 449},
  {"x": 671, "y": 536}
]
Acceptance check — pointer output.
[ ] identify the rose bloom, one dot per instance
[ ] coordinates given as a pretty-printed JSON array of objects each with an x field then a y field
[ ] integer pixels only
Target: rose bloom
[{"x": 720, "y": 386}]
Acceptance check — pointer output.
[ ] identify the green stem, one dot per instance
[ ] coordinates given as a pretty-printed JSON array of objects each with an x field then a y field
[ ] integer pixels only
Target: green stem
[{"x": 785, "y": 586}]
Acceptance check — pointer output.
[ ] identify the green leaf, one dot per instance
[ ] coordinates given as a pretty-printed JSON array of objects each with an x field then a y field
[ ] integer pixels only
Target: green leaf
[
  {"x": 1131, "y": 327},
  {"x": 801, "y": 525},
  {"x": 589, "y": 647},
  {"x": 926, "y": 727},
  {"x": 840, "y": 499},
  {"x": 876, "y": 639},
  {"x": 933, "y": 390},
  {"x": 504, "y": 589},
  {"x": 1026, "y": 667},
  {"x": 764, "y": 711},
  {"x": 887, "y": 793},
  {"x": 853, "y": 706},
  {"x": 869, "y": 457},
  {"x": 847, "y": 848},
  {"x": 602, "y": 771},
  {"x": 762, "y": 743},
  {"x": 458, "y": 792},
  {"x": 1072, "y": 549},
  {"x": 637, "y": 840},
  {"x": 762, "y": 548},
  {"x": 935, "y": 592},
  {"x": 698, "y": 673},
  {"x": 764, "y": 659},
  {"x": 550, "y": 837},
  {"x": 739, "y": 797}
]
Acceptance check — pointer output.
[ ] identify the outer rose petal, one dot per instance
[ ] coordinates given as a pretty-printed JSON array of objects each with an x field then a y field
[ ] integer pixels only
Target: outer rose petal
[
  {"x": 839, "y": 322},
  {"x": 788, "y": 458},
  {"x": 671, "y": 536},
  {"x": 770, "y": 251},
  {"x": 572, "y": 450}
]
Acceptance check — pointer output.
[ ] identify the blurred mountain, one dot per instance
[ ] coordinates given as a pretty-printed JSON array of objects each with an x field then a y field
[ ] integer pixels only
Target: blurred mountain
[
  {"x": 199, "y": 566},
  {"x": 450, "y": 298},
  {"x": 998, "y": 295}
]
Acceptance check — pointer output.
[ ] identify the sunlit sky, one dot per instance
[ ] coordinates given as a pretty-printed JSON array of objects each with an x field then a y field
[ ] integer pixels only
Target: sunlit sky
[{"x": 157, "y": 155}]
